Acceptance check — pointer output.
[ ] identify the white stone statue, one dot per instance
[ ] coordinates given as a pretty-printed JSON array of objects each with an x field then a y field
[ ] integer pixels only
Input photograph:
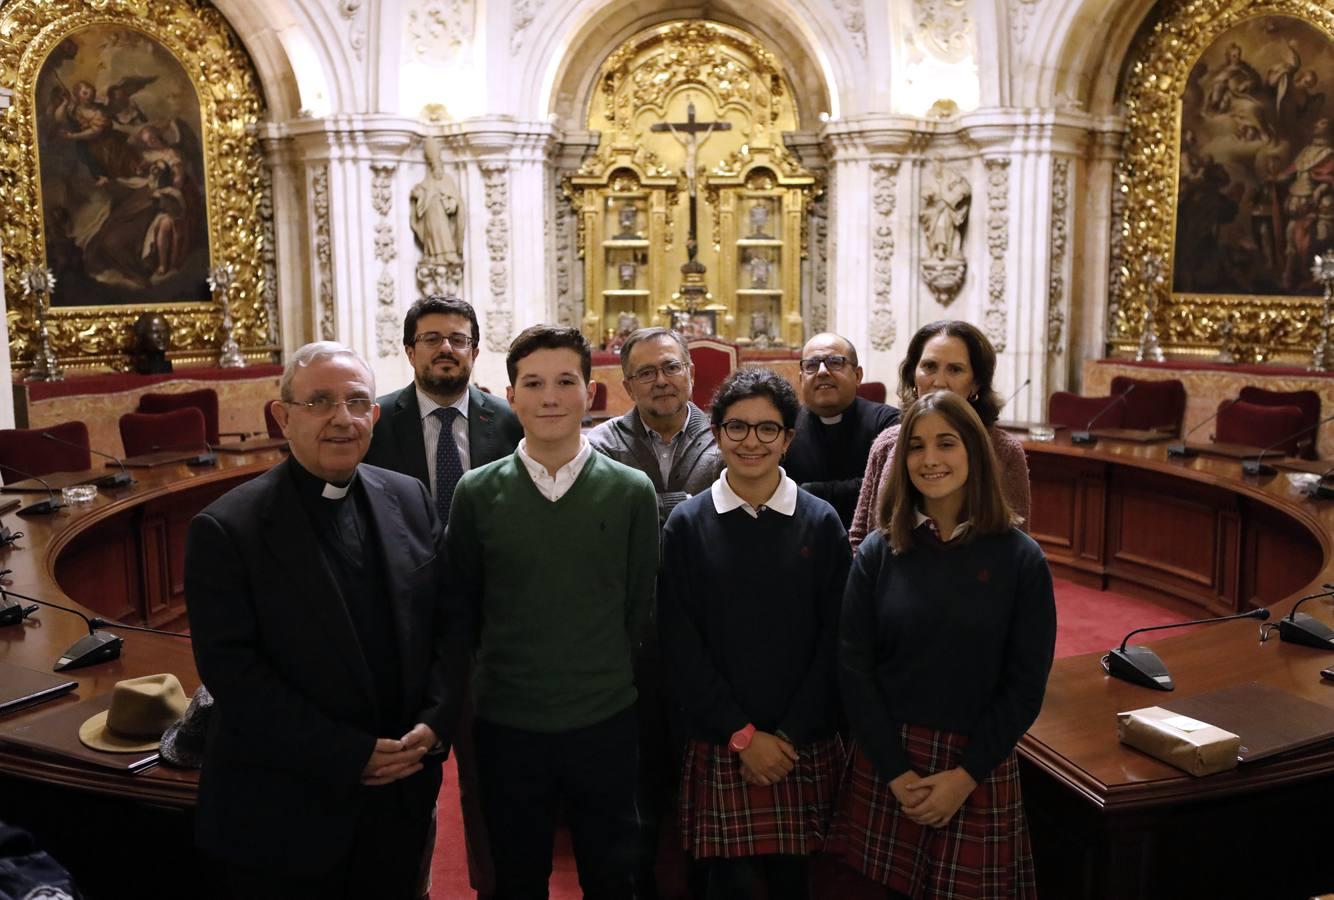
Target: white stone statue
[
  {"x": 943, "y": 215},
  {"x": 437, "y": 219}
]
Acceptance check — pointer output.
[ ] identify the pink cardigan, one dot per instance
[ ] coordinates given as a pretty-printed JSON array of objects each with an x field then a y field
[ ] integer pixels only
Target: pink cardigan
[{"x": 1009, "y": 455}]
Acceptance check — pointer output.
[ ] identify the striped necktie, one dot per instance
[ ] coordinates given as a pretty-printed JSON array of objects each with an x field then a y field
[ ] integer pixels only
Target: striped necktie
[{"x": 448, "y": 466}]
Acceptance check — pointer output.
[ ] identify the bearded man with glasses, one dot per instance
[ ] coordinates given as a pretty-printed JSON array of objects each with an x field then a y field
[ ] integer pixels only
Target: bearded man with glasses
[
  {"x": 441, "y": 339},
  {"x": 321, "y": 624},
  {"x": 835, "y": 428}
]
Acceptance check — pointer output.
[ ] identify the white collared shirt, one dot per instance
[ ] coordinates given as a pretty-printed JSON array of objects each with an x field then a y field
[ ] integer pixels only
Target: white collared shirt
[
  {"x": 554, "y": 487},
  {"x": 783, "y": 500},
  {"x": 664, "y": 450},
  {"x": 920, "y": 518},
  {"x": 431, "y": 430}
]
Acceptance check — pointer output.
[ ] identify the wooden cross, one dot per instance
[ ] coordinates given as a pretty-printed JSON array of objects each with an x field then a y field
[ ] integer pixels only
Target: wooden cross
[{"x": 691, "y": 129}]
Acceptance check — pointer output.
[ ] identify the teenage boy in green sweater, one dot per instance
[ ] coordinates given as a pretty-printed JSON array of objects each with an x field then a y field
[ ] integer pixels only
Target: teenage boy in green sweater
[{"x": 555, "y": 550}]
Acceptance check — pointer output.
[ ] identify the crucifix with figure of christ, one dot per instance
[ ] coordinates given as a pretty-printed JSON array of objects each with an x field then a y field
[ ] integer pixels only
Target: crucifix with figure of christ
[{"x": 688, "y": 133}]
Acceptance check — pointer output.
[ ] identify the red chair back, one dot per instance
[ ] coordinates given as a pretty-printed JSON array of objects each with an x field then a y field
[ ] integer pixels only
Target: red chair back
[
  {"x": 270, "y": 422},
  {"x": 205, "y": 400},
  {"x": 1154, "y": 404},
  {"x": 1307, "y": 401},
  {"x": 1258, "y": 426},
  {"x": 714, "y": 360},
  {"x": 25, "y": 449},
  {"x": 599, "y": 397},
  {"x": 1073, "y": 411},
  {"x": 875, "y": 391},
  {"x": 180, "y": 429}
]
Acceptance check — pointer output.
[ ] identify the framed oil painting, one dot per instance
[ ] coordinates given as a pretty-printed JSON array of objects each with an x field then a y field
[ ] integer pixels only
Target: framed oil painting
[
  {"x": 121, "y": 170},
  {"x": 133, "y": 167},
  {"x": 1255, "y": 191}
]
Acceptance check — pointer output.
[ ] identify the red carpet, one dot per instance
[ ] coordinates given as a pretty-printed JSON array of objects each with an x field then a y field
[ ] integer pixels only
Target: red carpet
[{"x": 1087, "y": 621}]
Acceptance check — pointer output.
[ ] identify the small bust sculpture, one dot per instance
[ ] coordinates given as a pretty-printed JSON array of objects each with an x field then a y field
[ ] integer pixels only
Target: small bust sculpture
[{"x": 152, "y": 340}]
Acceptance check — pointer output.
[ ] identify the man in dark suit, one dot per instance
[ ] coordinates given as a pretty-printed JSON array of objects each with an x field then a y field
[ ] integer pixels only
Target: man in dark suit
[
  {"x": 835, "y": 428},
  {"x": 441, "y": 338},
  {"x": 320, "y": 626}
]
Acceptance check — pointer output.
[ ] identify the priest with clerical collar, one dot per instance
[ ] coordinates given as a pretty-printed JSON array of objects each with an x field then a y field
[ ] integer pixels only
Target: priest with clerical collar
[
  {"x": 319, "y": 626},
  {"x": 835, "y": 428}
]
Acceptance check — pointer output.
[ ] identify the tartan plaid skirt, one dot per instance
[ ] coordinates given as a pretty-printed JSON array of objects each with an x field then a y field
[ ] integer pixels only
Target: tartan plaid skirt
[
  {"x": 983, "y": 852},
  {"x": 723, "y": 816}
]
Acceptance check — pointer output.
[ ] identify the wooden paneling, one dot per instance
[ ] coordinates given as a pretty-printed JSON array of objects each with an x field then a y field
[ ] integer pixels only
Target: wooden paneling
[
  {"x": 100, "y": 569},
  {"x": 1278, "y": 558}
]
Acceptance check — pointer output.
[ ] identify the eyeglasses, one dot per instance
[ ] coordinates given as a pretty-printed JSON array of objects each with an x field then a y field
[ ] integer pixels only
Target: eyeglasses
[
  {"x": 357, "y": 407},
  {"x": 737, "y": 430},
  {"x": 832, "y": 363},
  {"x": 649, "y": 374},
  {"x": 433, "y": 339}
]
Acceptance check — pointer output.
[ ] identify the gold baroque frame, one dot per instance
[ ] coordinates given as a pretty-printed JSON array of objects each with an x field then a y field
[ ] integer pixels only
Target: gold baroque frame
[
  {"x": 230, "y": 106},
  {"x": 1266, "y": 328}
]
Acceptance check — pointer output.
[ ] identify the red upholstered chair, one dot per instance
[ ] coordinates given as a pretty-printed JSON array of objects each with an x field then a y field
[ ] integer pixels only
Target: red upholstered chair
[
  {"x": 1258, "y": 426},
  {"x": 875, "y": 391},
  {"x": 204, "y": 400},
  {"x": 599, "y": 397},
  {"x": 180, "y": 429},
  {"x": 1307, "y": 401},
  {"x": 1154, "y": 404},
  {"x": 270, "y": 422},
  {"x": 1073, "y": 411},
  {"x": 714, "y": 360},
  {"x": 26, "y": 449}
]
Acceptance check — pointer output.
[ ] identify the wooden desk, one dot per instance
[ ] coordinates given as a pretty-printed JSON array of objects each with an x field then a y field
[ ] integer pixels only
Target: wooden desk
[
  {"x": 95, "y": 557},
  {"x": 1109, "y": 821}
]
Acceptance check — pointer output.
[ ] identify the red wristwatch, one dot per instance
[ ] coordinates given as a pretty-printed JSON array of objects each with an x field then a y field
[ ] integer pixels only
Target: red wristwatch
[{"x": 741, "y": 739}]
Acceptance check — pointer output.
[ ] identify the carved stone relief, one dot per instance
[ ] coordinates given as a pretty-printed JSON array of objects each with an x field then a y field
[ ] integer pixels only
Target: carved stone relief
[
  {"x": 351, "y": 10},
  {"x": 853, "y": 15},
  {"x": 884, "y": 185},
  {"x": 946, "y": 200},
  {"x": 943, "y": 28},
  {"x": 440, "y": 28},
  {"x": 500, "y": 317},
  {"x": 324, "y": 292},
  {"x": 268, "y": 256},
  {"x": 1060, "y": 195},
  {"x": 386, "y": 250},
  {"x": 998, "y": 241},
  {"x": 521, "y": 16},
  {"x": 819, "y": 306},
  {"x": 1020, "y": 12},
  {"x": 567, "y": 312}
]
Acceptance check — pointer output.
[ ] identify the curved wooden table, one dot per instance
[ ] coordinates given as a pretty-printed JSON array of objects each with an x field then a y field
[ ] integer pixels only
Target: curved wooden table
[
  {"x": 120, "y": 556},
  {"x": 1110, "y": 821}
]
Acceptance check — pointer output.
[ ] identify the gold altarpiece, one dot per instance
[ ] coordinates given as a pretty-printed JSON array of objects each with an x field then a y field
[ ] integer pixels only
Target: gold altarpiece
[{"x": 691, "y": 117}]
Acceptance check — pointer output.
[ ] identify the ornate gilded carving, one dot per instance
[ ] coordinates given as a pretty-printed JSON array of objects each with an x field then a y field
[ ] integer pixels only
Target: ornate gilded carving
[
  {"x": 884, "y": 185},
  {"x": 1060, "y": 196},
  {"x": 998, "y": 241},
  {"x": 230, "y": 106},
  {"x": 1277, "y": 328},
  {"x": 500, "y": 317}
]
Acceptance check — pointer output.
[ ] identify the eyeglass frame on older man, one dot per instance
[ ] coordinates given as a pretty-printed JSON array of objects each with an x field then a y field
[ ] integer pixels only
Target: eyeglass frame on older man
[
  {"x": 325, "y": 406},
  {"x": 649, "y": 374}
]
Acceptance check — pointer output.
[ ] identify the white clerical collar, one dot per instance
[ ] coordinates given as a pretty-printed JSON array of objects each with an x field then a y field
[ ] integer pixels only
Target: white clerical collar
[
  {"x": 784, "y": 499},
  {"x": 334, "y": 492},
  {"x": 426, "y": 405},
  {"x": 920, "y": 518},
  {"x": 832, "y": 420}
]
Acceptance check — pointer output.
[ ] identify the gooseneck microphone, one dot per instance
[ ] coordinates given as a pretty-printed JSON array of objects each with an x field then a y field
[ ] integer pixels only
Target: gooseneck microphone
[
  {"x": 99, "y": 622},
  {"x": 1017, "y": 391},
  {"x": 52, "y": 502},
  {"x": 115, "y": 479},
  {"x": 1140, "y": 665},
  {"x": 207, "y": 458},
  {"x": 1086, "y": 436},
  {"x": 1180, "y": 449},
  {"x": 1300, "y": 628},
  {"x": 94, "y": 647},
  {"x": 1258, "y": 466}
]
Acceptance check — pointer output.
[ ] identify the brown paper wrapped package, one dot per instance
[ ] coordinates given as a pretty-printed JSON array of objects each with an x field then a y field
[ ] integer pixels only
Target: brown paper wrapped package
[{"x": 1200, "y": 752}]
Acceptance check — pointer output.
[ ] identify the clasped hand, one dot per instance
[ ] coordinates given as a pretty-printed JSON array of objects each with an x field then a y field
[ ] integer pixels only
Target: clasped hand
[
  {"x": 767, "y": 760},
  {"x": 394, "y": 759},
  {"x": 932, "y": 801}
]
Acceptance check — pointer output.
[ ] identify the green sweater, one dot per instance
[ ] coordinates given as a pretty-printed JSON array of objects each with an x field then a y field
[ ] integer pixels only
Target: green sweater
[{"x": 557, "y": 593}]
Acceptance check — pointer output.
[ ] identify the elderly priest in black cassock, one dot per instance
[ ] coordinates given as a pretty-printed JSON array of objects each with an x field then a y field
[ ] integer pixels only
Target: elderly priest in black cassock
[{"x": 320, "y": 628}]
